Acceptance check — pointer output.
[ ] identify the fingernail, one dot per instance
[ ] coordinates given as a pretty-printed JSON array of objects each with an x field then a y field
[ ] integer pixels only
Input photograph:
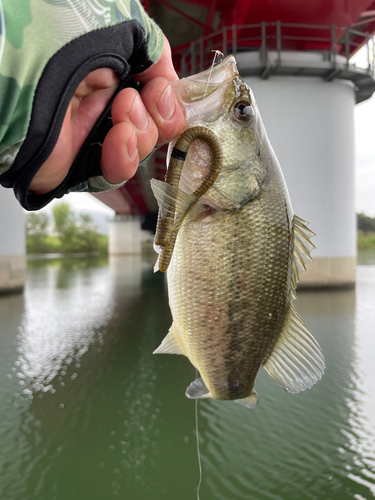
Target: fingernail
[
  {"x": 138, "y": 114},
  {"x": 132, "y": 146},
  {"x": 166, "y": 106}
]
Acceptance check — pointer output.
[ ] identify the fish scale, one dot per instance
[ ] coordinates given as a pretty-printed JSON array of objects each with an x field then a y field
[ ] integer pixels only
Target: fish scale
[
  {"x": 247, "y": 258},
  {"x": 238, "y": 253}
]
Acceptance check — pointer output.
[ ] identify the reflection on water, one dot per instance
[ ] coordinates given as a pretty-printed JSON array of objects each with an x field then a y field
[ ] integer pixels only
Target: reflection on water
[{"x": 88, "y": 412}]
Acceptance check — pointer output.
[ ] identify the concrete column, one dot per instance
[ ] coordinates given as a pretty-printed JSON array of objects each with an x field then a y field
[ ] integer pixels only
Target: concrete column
[
  {"x": 310, "y": 124},
  {"x": 126, "y": 235},
  {"x": 12, "y": 243}
]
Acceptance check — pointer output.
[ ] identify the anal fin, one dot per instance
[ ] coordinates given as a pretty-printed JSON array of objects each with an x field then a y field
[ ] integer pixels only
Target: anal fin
[{"x": 171, "y": 343}]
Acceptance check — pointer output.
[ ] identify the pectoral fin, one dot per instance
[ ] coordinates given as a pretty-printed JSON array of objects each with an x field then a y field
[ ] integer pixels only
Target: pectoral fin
[
  {"x": 296, "y": 362},
  {"x": 186, "y": 207},
  {"x": 171, "y": 343}
]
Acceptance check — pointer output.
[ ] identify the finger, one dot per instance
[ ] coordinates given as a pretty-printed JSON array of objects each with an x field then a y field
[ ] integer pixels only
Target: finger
[
  {"x": 119, "y": 160},
  {"x": 102, "y": 78},
  {"x": 54, "y": 169},
  {"x": 163, "y": 107},
  {"x": 129, "y": 108},
  {"x": 89, "y": 100},
  {"x": 163, "y": 67}
]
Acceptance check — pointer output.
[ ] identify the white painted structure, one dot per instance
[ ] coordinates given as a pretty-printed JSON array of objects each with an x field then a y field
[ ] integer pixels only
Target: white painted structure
[
  {"x": 12, "y": 243},
  {"x": 126, "y": 236},
  {"x": 310, "y": 124}
]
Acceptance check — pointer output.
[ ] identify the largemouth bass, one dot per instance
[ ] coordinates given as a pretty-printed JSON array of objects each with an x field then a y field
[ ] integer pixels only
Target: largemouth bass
[{"x": 238, "y": 251}]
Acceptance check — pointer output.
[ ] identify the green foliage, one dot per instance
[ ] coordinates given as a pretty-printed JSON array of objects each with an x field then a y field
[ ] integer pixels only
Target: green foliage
[
  {"x": 36, "y": 232},
  {"x": 37, "y": 222},
  {"x": 366, "y": 240},
  {"x": 73, "y": 236},
  {"x": 366, "y": 231},
  {"x": 365, "y": 223},
  {"x": 88, "y": 236},
  {"x": 103, "y": 244},
  {"x": 66, "y": 227},
  {"x": 50, "y": 244}
]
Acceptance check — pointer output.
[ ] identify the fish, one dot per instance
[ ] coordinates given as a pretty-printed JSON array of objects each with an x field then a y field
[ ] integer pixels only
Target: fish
[{"x": 237, "y": 251}]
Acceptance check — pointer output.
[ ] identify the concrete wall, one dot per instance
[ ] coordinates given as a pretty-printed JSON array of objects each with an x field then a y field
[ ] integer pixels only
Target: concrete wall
[
  {"x": 12, "y": 243},
  {"x": 126, "y": 235},
  {"x": 310, "y": 124}
]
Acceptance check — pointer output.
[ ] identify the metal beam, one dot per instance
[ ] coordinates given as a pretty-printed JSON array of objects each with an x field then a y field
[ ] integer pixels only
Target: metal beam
[
  {"x": 210, "y": 17},
  {"x": 332, "y": 74},
  {"x": 175, "y": 9}
]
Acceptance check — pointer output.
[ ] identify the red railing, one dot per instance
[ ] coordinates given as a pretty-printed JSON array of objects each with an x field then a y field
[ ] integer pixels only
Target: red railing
[{"x": 274, "y": 36}]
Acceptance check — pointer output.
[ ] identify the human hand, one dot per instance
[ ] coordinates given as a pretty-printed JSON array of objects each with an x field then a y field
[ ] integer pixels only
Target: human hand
[{"x": 140, "y": 121}]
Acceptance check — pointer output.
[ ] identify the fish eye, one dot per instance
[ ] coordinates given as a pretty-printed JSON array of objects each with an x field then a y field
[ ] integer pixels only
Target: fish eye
[{"x": 243, "y": 111}]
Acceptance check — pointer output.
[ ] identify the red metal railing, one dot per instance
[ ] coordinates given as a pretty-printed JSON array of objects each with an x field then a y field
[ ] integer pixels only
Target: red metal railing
[{"x": 274, "y": 36}]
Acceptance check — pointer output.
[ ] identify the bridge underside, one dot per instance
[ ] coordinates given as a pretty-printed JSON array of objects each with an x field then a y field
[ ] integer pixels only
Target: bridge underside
[
  {"x": 262, "y": 34},
  {"x": 136, "y": 197}
]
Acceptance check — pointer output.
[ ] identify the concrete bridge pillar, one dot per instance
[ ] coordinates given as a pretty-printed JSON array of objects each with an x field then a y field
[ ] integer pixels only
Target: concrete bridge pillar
[
  {"x": 126, "y": 235},
  {"x": 310, "y": 124},
  {"x": 12, "y": 243}
]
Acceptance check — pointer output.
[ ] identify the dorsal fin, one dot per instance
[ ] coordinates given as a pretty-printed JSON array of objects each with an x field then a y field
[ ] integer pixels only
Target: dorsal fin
[
  {"x": 297, "y": 362},
  {"x": 302, "y": 249}
]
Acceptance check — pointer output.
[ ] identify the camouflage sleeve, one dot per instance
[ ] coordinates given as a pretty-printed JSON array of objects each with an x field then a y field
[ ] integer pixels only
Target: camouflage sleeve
[{"x": 47, "y": 47}]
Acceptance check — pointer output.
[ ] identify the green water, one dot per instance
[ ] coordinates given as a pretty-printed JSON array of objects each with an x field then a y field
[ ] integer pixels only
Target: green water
[{"x": 88, "y": 413}]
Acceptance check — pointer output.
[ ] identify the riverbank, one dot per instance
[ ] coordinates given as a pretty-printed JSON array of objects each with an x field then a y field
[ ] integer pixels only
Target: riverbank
[{"x": 365, "y": 240}]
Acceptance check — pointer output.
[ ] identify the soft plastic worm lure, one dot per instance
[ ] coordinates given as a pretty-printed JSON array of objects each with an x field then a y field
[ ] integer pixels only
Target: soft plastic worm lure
[{"x": 166, "y": 230}]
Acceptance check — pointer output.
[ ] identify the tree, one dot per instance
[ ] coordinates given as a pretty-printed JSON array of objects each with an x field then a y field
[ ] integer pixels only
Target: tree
[
  {"x": 66, "y": 227},
  {"x": 36, "y": 232},
  {"x": 88, "y": 235},
  {"x": 76, "y": 236},
  {"x": 365, "y": 223}
]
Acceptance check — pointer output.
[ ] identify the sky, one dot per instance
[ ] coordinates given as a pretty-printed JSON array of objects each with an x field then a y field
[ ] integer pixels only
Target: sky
[
  {"x": 364, "y": 160},
  {"x": 364, "y": 115},
  {"x": 82, "y": 202},
  {"x": 365, "y": 157}
]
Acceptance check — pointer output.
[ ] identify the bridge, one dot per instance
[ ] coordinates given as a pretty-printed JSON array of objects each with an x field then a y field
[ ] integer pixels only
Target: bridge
[
  {"x": 296, "y": 56},
  {"x": 268, "y": 32},
  {"x": 298, "y": 50}
]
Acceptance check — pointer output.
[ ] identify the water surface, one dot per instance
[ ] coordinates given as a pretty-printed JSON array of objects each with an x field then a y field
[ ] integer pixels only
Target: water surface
[{"x": 87, "y": 412}]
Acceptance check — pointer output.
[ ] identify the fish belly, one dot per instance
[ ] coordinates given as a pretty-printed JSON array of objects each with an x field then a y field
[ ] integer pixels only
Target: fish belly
[{"x": 228, "y": 287}]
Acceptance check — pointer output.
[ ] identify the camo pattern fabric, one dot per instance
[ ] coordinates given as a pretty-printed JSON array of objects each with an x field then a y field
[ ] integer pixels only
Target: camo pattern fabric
[{"x": 31, "y": 32}]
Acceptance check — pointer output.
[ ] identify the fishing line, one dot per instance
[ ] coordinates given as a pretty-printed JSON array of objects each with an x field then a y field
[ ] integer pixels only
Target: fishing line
[
  {"x": 197, "y": 437},
  {"x": 218, "y": 55}
]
